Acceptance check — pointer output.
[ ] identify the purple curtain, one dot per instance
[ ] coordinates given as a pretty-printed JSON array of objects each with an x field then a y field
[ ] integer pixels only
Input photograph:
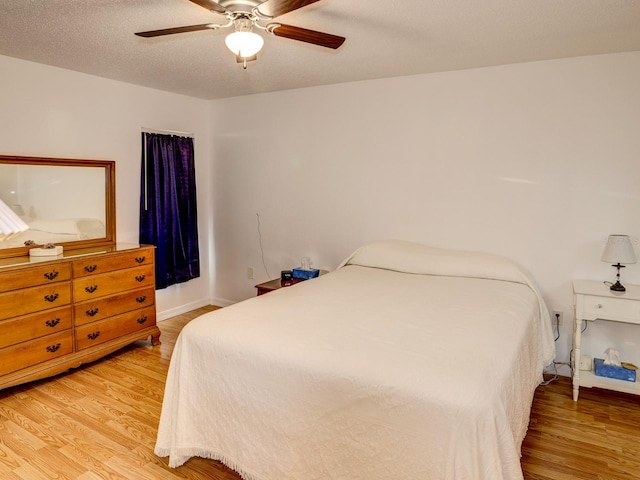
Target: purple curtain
[{"x": 168, "y": 212}]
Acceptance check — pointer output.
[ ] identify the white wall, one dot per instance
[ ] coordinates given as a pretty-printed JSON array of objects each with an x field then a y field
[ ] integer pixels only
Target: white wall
[
  {"x": 46, "y": 111},
  {"x": 538, "y": 161}
]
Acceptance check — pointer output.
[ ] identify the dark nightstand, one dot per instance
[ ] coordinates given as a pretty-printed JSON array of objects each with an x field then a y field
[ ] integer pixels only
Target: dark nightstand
[{"x": 271, "y": 285}]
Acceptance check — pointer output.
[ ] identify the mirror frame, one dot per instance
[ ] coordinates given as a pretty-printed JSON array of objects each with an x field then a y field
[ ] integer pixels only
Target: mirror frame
[{"x": 109, "y": 167}]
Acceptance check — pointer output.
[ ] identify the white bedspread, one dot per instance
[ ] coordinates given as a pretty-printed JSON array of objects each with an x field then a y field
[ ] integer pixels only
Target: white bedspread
[{"x": 365, "y": 373}]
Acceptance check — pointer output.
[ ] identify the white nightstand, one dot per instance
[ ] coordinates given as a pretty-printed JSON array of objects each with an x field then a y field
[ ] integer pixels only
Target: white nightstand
[{"x": 595, "y": 301}]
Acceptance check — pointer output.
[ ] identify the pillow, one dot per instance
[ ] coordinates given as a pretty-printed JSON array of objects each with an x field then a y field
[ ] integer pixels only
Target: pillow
[
  {"x": 55, "y": 226},
  {"x": 408, "y": 257},
  {"x": 90, "y": 228}
]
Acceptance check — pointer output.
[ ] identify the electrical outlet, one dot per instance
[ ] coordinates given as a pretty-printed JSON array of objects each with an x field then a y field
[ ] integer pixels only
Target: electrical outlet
[
  {"x": 557, "y": 314},
  {"x": 250, "y": 273}
]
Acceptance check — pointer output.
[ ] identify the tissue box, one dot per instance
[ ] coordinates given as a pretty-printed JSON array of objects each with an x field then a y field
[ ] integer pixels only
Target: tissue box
[
  {"x": 305, "y": 274},
  {"x": 611, "y": 371},
  {"x": 46, "y": 252}
]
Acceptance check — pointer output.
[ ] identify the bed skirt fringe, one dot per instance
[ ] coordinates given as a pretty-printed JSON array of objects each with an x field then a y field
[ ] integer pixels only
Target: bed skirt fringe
[{"x": 177, "y": 460}]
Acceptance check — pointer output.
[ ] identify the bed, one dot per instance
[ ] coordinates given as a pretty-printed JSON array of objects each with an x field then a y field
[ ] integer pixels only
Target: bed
[{"x": 407, "y": 362}]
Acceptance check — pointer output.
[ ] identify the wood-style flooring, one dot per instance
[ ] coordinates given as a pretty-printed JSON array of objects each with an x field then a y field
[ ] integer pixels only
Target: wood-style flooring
[{"x": 100, "y": 422}]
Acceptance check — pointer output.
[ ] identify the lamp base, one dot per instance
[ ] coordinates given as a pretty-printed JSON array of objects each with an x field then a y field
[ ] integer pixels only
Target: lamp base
[{"x": 618, "y": 287}]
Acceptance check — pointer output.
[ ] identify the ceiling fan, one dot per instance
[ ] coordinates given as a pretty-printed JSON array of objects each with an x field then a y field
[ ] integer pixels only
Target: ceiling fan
[{"x": 244, "y": 15}]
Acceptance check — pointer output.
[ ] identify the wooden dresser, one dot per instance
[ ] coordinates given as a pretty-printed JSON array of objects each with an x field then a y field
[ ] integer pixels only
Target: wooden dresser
[{"x": 58, "y": 314}]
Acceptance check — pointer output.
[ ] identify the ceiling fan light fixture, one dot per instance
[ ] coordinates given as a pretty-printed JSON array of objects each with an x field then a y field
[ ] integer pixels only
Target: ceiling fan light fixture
[
  {"x": 244, "y": 44},
  {"x": 244, "y": 15}
]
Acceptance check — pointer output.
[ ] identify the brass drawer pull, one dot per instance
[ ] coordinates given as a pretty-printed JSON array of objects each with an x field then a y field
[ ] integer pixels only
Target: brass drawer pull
[
  {"x": 94, "y": 335},
  {"x": 91, "y": 289},
  {"x": 92, "y": 312},
  {"x": 51, "y": 275},
  {"x": 141, "y": 320},
  {"x": 52, "y": 323},
  {"x": 141, "y": 299},
  {"x": 53, "y": 348},
  {"x": 51, "y": 298},
  {"x": 140, "y": 278},
  {"x": 90, "y": 268},
  {"x": 140, "y": 259}
]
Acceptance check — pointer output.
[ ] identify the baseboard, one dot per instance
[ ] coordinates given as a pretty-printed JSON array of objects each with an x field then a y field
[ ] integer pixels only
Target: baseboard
[
  {"x": 221, "y": 302},
  {"x": 179, "y": 310}
]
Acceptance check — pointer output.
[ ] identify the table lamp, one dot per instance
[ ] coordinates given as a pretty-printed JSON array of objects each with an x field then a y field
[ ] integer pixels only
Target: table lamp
[{"x": 618, "y": 251}]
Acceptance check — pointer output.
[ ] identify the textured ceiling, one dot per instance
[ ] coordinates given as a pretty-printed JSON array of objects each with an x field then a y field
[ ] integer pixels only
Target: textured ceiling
[{"x": 384, "y": 39}]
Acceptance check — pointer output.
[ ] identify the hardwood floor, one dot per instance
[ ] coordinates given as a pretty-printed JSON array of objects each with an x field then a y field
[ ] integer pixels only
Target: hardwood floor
[
  {"x": 100, "y": 422},
  {"x": 596, "y": 438},
  {"x": 97, "y": 422}
]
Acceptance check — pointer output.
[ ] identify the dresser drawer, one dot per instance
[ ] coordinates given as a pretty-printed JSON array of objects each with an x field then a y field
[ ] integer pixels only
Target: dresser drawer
[
  {"x": 30, "y": 353},
  {"x": 93, "y": 310},
  {"x": 35, "y": 299},
  {"x": 95, "y": 286},
  {"x": 97, "y": 265},
  {"x": 35, "y": 325},
  {"x": 104, "y": 330},
  {"x": 34, "y": 276},
  {"x": 606, "y": 308}
]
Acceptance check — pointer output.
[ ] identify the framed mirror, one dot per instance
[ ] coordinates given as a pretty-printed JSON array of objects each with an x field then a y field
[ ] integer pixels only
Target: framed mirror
[{"x": 63, "y": 201}]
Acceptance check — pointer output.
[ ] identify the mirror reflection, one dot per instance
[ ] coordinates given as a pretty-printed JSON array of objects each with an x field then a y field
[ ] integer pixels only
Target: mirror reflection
[{"x": 60, "y": 203}]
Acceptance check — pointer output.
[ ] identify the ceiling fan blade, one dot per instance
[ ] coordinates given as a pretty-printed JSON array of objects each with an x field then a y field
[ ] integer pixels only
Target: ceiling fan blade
[
  {"x": 275, "y": 8},
  {"x": 306, "y": 35},
  {"x": 209, "y": 5},
  {"x": 171, "y": 31}
]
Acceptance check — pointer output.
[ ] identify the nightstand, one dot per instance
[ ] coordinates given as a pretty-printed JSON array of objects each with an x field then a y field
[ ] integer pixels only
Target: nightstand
[
  {"x": 272, "y": 285},
  {"x": 595, "y": 301}
]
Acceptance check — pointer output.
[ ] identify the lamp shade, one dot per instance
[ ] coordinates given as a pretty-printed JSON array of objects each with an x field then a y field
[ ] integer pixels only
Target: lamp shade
[
  {"x": 619, "y": 250},
  {"x": 244, "y": 44},
  {"x": 10, "y": 223}
]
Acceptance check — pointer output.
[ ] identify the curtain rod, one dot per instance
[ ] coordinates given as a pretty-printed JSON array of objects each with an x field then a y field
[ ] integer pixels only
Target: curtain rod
[{"x": 167, "y": 132}]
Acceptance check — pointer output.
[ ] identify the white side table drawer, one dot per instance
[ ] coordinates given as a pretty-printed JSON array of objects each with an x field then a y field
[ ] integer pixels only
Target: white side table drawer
[{"x": 617, "y": 309}]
